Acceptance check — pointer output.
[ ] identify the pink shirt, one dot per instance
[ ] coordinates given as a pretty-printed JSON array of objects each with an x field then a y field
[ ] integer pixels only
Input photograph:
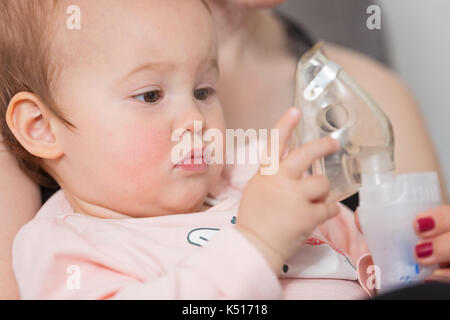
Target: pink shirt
[{"x": 61, "y": 254}]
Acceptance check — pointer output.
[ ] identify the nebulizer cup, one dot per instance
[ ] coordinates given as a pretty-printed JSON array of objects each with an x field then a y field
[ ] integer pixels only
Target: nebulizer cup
[{"x": 334, "y": 105}]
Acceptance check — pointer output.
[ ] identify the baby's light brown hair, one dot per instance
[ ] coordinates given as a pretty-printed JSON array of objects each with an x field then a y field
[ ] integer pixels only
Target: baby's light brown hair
[{"x": 27, "y": 63}]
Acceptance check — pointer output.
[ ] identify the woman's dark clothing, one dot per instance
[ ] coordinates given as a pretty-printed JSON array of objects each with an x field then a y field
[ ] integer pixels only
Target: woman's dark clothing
[
  {"x": 46, "y": 193},
  {"x": 301, "y": 41}
]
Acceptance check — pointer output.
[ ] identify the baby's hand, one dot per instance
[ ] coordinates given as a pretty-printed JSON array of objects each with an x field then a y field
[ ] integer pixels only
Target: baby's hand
[{"x": 279, "y": 212}]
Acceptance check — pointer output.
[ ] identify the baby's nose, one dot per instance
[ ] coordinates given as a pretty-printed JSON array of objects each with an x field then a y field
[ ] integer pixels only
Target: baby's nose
[{"x": 192, "y": 120}]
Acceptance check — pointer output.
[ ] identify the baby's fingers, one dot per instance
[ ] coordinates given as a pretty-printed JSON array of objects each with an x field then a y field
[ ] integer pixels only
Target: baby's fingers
[
  {"x": 301, "y": 158},
  {"x": 286, "y": 126},
  {"x": 325, "y": 211},
  {"x": 315, "y": 188}
]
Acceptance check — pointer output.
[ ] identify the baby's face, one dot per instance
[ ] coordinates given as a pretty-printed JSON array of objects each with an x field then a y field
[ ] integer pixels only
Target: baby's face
[{"x": 137, "y": 71}]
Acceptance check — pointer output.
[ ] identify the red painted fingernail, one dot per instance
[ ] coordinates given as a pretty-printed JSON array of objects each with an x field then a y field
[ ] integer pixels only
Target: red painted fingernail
[
  {"x": 424, "y": 249},
  {"x": 426, "y": 224}
]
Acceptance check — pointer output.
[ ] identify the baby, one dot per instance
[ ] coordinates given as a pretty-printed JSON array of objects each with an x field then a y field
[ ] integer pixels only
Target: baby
[{"x": 93, "y": 107}]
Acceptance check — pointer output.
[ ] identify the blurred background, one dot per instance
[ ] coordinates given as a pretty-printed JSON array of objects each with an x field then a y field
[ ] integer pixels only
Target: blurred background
[{"x": 414, "y": 41}]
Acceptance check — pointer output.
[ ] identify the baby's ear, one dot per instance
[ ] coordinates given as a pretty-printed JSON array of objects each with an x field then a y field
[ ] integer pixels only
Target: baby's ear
[{"x": 31, "y": 123}]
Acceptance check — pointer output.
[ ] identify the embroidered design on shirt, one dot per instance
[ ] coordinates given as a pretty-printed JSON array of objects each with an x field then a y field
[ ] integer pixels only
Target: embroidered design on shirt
[{"x": 200, "y": 236}]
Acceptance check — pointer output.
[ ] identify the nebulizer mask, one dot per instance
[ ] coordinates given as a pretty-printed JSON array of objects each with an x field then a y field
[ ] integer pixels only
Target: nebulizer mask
[{"x": 334, "y": 105}]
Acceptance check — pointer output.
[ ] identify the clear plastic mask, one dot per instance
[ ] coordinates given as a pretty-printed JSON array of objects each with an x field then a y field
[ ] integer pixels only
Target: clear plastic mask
[{"x": 334, "y": 105}]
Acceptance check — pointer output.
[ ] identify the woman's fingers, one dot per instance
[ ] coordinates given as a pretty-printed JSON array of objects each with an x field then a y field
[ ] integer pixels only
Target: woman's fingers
[
  {"x": 434, "y": 227},
  {"x": 434, "y": 251},
  {"x": 300, "y": 159},
  {"x": 433, "y": 222},
  {"x": 286, "y": 126}
]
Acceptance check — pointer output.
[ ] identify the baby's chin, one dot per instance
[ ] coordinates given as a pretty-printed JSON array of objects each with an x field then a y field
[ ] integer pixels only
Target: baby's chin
[
  {"x": 199, "y": 207},
  {"x": 181, "y": 196},
  {"x": 191, "y": 202}
]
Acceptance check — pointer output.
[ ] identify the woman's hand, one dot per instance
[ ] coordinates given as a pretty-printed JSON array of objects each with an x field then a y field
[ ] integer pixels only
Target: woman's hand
[{"x": 433, "y": 226}]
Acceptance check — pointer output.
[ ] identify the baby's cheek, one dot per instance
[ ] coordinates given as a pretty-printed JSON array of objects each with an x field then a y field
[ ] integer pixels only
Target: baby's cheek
[{"x": 140, "y": 152}]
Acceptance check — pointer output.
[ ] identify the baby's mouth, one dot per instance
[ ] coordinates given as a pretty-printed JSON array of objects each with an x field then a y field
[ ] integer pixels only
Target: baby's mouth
[
  {"x": 194, "y": 156},
  {"x": 193, "y": 161}
]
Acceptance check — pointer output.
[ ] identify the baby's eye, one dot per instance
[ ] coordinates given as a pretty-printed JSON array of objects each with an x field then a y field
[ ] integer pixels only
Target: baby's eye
[
  {"x": 203, "y": 93},
  {"x": 151, "y": 96}
]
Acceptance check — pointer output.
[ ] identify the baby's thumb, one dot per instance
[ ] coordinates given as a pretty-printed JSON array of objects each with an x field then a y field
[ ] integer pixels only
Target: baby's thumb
[{"x": 286, "y": 125}]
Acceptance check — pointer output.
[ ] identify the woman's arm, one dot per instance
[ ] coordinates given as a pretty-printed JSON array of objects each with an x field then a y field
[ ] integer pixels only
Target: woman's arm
[
  {"x": 414, "y": 150},
  {"x": 19, "y": 201}
]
